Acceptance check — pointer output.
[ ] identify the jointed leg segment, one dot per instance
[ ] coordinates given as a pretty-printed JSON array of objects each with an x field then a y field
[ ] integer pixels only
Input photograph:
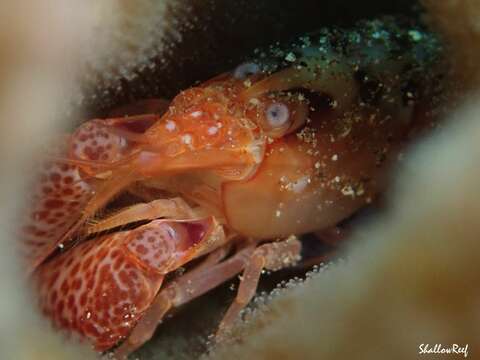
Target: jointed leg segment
[
  {"x": 178, "y": 292},
  {"x": 175, "y": 208},
  {"x": 272, "y": 256}
]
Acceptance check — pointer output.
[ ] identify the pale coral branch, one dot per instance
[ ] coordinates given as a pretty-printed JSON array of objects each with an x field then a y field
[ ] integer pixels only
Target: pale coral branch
[{"x": 45, "y": 48}]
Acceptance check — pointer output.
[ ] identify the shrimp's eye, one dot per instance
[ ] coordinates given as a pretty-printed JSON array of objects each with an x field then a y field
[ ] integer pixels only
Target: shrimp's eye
[
  {"x": 246, "y": 69},
  {"x": 283, "y": 117},
  {"x": 277, "y": 115}
]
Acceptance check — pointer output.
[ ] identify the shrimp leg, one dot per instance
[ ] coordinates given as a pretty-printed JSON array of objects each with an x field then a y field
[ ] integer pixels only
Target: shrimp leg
[
  {"x": 175, "y": 208},
  {"x": 211, "y": 260},
  {"x": 271, "y": 256},
  {"x": 193, "y": 284},
  {"x": 180, "y": 291}
]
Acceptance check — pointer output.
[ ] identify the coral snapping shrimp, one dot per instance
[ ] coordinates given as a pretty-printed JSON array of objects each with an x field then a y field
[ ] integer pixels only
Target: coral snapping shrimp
[{"x": 230, "y": 172}]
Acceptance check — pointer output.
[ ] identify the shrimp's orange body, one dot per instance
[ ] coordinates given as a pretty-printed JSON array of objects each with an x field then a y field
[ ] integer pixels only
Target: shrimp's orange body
[{"x": 289, "y": 144}]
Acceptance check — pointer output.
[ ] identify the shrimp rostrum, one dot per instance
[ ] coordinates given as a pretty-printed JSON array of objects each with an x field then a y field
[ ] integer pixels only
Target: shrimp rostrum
[{"x": 230, "y": 173}]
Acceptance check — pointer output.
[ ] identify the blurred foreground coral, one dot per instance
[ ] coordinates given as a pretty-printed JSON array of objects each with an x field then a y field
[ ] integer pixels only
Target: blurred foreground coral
[{"x": 41, "y": 44}]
